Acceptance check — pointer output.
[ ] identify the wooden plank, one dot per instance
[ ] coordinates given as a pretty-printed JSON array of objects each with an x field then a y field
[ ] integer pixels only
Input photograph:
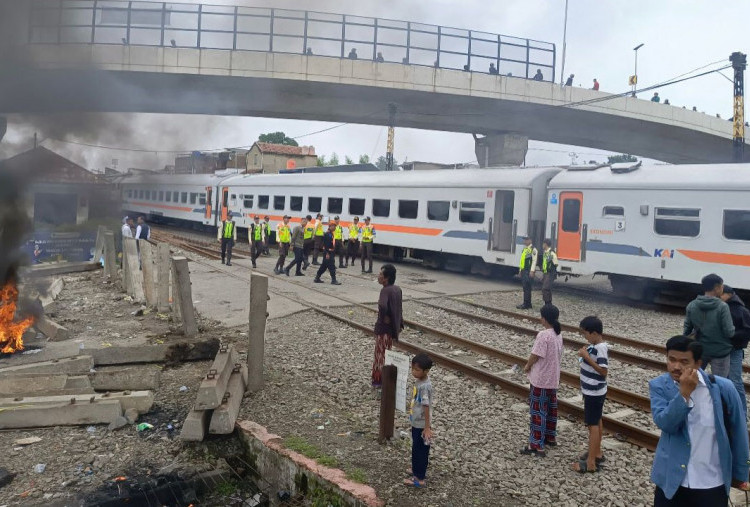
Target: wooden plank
[
  {"x": 139, "y": 400},
  {"x": 75, "y": 365},
  {"x": 183, "y": 293},
  {"x": 147, "y": 267},
  {"x": 162, "y": 273},
  {"x": 214, "y": 385},
  {"x": 195, "y": 426},
  {"x": 387, "y": 403},
  {"x": 60, "y": 414},
  {"x": 257, "y": 330},
  {"x": 195, "y": 350},
  {"x": 126, "y": 379},
  {"x": 225, "y": 415}
]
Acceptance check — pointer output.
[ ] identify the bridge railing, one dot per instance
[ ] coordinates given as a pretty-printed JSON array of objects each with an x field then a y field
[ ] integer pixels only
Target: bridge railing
[{"x": 287, "y": 31}]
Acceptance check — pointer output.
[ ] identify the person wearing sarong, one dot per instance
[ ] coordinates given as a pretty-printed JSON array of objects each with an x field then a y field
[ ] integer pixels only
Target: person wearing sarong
[{"x": 390, "y": 321}]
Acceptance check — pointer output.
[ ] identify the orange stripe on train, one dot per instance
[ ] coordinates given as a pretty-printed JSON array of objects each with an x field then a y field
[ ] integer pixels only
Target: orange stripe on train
[
  {"x": 717, "y": 257},
  {"x": 163, "y": 206}
]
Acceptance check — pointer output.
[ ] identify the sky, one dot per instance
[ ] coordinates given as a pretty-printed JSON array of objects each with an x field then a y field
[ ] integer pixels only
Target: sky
[{"x": 678, "y": 37}]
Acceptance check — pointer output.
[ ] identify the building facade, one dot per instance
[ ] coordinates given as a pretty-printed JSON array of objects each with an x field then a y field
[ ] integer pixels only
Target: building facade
[{"x": 272, "y": 158}]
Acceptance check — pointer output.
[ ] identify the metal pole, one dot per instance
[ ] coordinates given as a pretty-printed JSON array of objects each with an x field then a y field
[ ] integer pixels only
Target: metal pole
[
  {"x": 635, "y": 72},
  {"x": 565, "y": 35},
  {"x": 739, "y": 63},
  {"x": 391, "y": 135}
]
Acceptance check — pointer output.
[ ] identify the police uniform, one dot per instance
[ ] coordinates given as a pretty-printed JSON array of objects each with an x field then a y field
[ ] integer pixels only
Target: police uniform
[
  {"x": 368, "y": 233},
  {"x": 227, "y": 234},
  {"x": 338, "y": 236},
  {"x": 266, "y": 236},
  {"x": 318, "y": 245},
  {"x": 308, "y": 235},
  {"x": 255, "y": 236},
  {"x": 284, "y": 235},
  {"x": 549, "y": 269},
  {"x": 329, "y": 258},
  {"x": 353, "y": 246},
  {"x": 526, "y": 268}
]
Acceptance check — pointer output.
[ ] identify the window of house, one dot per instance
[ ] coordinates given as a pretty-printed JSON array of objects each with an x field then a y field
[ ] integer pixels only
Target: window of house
[
  {"x": 263, "y": 201},
  {"x": 356, "y": 207},
  {"x": 335, "y": 205},
  {"x": 438, "y": 210},
  {"x": 381, "y": 207},
  {"x": 169, "y": 196},
  {"x": 683, "y": 222},
  {"x": 314, "y": 204},
  {"x": 201, "y": 199},
  {"x": 571, "y": 215},
  {"x": 471, "y": 212},
  {"x": 295, "y": 203},
  {"x": 255, "y": 159},
  {"x": 193, "y": 197},
  {"x": 613, "y": 211},
  {"x": 279, "y": 202},
  {"x": 175, "y": 196},
  {"x": 408, "y": 209},
  {"x": 247, "y": 201},
  {"x": 183, "y": 198},
  {"x": 737, "y": 224}
]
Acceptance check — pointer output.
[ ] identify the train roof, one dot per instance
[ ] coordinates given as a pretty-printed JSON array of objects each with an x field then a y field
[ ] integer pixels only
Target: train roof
[
  {"x": 661, "y": 177},
  {"x": 490, "y": 177},
  {"x": 175, "y": 179}
]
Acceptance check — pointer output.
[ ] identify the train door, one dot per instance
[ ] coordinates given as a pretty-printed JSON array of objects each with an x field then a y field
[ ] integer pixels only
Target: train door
[
  {"x": 224, "y": 203},
  {"x": 569, "y": 226},
  {"x": 503, "y": 223},
  {"x": 209, "y": 200}
]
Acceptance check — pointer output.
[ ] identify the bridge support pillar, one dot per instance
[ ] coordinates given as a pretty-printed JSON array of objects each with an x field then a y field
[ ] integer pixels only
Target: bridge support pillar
[{"x": 501, "y": 149}]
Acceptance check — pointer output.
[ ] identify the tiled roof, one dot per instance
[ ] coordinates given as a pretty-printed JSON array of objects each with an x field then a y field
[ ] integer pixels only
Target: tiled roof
[
  {"x": 282, "y": 149},
  {"x": 49, "y": 167}
]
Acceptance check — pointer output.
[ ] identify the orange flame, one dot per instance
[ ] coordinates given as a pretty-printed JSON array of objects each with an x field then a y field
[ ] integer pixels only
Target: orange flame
[{"x": 11, "y": 333}]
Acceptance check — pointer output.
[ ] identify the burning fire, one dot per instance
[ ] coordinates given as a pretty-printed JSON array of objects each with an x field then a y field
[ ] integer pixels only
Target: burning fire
[{"x": 11, "y": 332}]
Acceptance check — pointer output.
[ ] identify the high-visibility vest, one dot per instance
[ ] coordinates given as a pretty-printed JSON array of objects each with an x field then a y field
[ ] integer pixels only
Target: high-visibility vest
[
  {"x": 526, "y": 258},
  {"x": 309, "y": 230},
  {"x": 284, "y": 233},
  {"x": 338, "y": 233},
  {"x": 268, "y": 228},
  {"x": 257, "y": 232},
  {"x": 319, "y": 228},
  {"x": 548, "y": 260},
  {"x": 354, "y": 231},
  {"x": 228, "y": 229},
  {"x": 367, "y": 233}
]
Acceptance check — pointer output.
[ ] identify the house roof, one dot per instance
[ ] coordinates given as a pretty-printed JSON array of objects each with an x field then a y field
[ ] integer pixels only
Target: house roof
[
  {"x": 46, "y": 166},
  {"x": 283, "y": 149}
]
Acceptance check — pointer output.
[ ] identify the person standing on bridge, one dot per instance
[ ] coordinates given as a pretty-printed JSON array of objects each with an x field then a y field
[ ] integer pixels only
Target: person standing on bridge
[
  {"x": 365, "y": 250},
  {"x": 703, "y": 447},
  {"x": 569, "y": 81},
  {"x": 538, "y": 76},
  {"x": 656, "y": 98},
  {"x": 255, "y": 236},
  {"x": 353, "y": 246},
  {"x": 549, "y": 270},
  {"x": 319, "y": 232},
  {"x": 338, "y": 236},
  {"x": 379, "y": 58},
  {"x": 353, "y": 54},
  {"x": 227, "y": 235},
  {"x": 493, "y": 69},
  {"x": 266, "y": 234},
  {"x": 298, "y": 244},
  {"x": 329, "y": 256},
  {"x": 284, "y": 235},
  {"x": 596, "y": 85},
  {"x": 309, "y": 234},
  {"x": 526, "y": 269},
  {"x": 390, "y": 319}
]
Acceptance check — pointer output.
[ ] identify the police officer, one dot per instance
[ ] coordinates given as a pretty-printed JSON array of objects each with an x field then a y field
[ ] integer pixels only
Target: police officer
[
  {"x": 549, "y": 270},
  {"x": 227, "y": 235},
  {"x": 526, "y": 269},
  {"x": 329, "y": 256},
  {"x": 308, "y": 234},
  {"x": 365, "y": 249},
  {"x": 266, "y": 234},
  {"x": 353, "y": 246},
  {"x": 319, "y": 231},
  {"x": 284, "y": 235},
  {"x": 298, "y": 245},
  {"x": 338, "y": 235},
  {"x": 255, "y": 236}
]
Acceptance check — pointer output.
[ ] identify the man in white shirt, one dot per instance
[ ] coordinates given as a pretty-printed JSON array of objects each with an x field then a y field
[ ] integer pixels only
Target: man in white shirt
[{"x": 127, "y": 227}]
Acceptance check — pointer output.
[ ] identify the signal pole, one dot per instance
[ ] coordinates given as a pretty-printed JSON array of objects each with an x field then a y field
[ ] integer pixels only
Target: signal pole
[
  {"x": 391, "y": 135},
  {"x": 739, "y": 63}
]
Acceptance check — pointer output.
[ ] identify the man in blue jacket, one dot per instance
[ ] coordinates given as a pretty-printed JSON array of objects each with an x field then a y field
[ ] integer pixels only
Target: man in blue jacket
[{"x": 703, "y": 448}]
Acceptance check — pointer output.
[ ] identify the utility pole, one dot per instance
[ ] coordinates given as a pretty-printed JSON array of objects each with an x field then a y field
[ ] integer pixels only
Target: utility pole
[
  {"x": 565, "y": 37},
  {"x": 739, "y": 63},
  {"x": 391, "y": 134},
  {"x": 634, "y": 79}
]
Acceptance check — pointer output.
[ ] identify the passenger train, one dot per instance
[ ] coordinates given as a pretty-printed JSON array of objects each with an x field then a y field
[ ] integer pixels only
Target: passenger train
[{"x": 643, "y": 227}]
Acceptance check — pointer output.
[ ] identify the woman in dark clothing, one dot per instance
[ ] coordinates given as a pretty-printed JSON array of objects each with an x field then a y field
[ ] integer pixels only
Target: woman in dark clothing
[{"x": 390, "y": 322}]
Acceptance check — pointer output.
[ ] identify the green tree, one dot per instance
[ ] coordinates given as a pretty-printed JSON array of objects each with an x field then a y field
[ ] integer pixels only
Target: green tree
[
  {"x": 321, "y": 161},
  {"x": 334, "y": 160},
  {"x": 364, "y": 159},
  {"x": 348, "y": 160},
  {"x": 381, "y": 163},
  {"x": 277, "y": 138},
  {"x": 616, "y": 159}
]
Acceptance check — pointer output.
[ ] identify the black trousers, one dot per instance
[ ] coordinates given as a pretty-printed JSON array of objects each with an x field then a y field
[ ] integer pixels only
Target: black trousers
[
  {"x": 308, "y": 247},
  {"x": 688, "y": 497},
  {"x": 317, "y": 247},
  {"x": 329, "y": 263},
  {"x": 283, "y": 251},
  {"x": 352, "y": 248},
  {"x": 420, "y": 454},
  {"x": 526, "y": 280},
  {"x": 299, "y": 259},
  {"x": 340, "y": 251},
  {"x": 226, "y": 249},
  {"x": 257, "y": 250},
  {"x": 366, "y": 254},
  {"x": 547, "y": 288}
]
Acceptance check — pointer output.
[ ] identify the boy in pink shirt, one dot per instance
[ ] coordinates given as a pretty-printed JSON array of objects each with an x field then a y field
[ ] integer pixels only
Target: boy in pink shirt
[{"x": 543, "y": 369}]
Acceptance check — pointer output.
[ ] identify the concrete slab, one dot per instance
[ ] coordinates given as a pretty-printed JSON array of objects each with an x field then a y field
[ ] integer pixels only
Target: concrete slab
[
  {"x": 214, "y": 385},
  {"x": 196, "y": 425},
  {"x": 75, "y": 365},
  {"x": 43, "y": 384},
  {"x": 142, "y": 401},
  {"x": 60, "y": 268},
  {"x": 65, "y": 414},
  {"x": 198, "y": 350},
  {"x": 52, "y": 329},
  {"x": 145, "y": 378},
  {"x": 225, "y": 415},
  {"x": 50, "y": 352}
]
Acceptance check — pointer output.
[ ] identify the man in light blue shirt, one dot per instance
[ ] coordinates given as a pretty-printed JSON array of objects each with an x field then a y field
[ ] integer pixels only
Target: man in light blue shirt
[{"x": 703, "y": 448}]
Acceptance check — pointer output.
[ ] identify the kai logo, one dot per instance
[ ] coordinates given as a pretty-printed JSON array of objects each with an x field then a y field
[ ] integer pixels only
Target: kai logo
[{"x": 664, "y": 253}]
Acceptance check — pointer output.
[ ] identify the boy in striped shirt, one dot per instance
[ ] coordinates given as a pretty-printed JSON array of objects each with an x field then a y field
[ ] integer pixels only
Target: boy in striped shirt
[{"x": 594, "y": 367}]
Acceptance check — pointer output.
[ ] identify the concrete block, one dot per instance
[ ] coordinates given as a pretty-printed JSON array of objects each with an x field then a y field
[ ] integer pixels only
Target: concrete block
[
  {"x": 183, "y": 295},
  {"x": 48, "y": 353},
  {"x": 198, "y": 350},
  {"x": 188, "y": 58},
  {"x": 126, "y": 379},
  {"x": 147, "y": 267},
  {"x": 60, "y": 268},
  {"x": 248, "y": 60},
  {"x": 214, "y": 385},
  {"x": 60, "y": 414},
  {"x": 133, "y": 273},
  {"x": 215, "y": 59},
  {"x": 74, "y": 365},
  {"x": 52, "y": 329},
  {"x": 139, "y": 400},
  {"x": 195, "y": 426},
  {"x": 257, "y": 330},
  {"x": 108, "y": 54},
  {"x": 145, "y": 55},
  {"x": 170, "y": 57},
  {"x": 225, "y": 415},
  {"x": 162, "y": 273},
  {"x": 43, "y": 384}
]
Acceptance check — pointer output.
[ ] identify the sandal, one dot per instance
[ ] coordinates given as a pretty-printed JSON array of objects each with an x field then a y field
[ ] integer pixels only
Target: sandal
[
  {"x": 583, "y": 467},
  {"x": 414, "y": 482},
  {"x": 528, "y": 451},
  {"x": 585, "y": 456},
  {"x": 553, "y": 443}
]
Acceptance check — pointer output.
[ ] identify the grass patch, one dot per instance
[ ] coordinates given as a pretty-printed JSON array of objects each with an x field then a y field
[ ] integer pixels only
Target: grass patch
[
  {"x": 327, "y": 461},
  {"x": 225, "y": 488},
  {"x": 357, "y": 475},
  {"x": 302, "y": 446}
]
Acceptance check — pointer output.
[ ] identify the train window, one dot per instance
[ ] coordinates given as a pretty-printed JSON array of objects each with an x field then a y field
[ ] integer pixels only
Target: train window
[
  {"x": 153, "y": 195},
  {"x": 613, "y": 211},
  {"x": 571, "y": 215},
  {"x": 381, "y": 207},
  {"x": 175, "y": 196},
  {"x": 193, "y": 197},
  {"x": 408, "y": 209},
  {"x": 279, "y": 202},
  {"x": 183, "y": 198},
  {"x": 161, "y": 195},
  {"x": 314, "y": 204},
  {"x": 295, "y": 203},
  {"x": 335, "y": 204},
  {"x": 140, "y": 194},
  {"x": 263, "y": 201},
  {"x": 247, "y": 202},
  {"x": 438, "y": 210},
  {"x": 471, "y": 212},
  {"x": 683, "y": 222},
  {"x": 356, "y": 207},
  {"x": 737, "y": 224},
  {"x": 129, "y": 193},
  {"x": 201, "y": 199},
  {"x": 169, "y": 196}
]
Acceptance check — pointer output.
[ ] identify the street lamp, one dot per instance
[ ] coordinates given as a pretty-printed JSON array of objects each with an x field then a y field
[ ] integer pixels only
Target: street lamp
[{"x": 635, "y": 72}]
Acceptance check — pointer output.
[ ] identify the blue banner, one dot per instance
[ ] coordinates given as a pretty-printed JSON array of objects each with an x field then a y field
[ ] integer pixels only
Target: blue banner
[{"x": 68, "y": 246}]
